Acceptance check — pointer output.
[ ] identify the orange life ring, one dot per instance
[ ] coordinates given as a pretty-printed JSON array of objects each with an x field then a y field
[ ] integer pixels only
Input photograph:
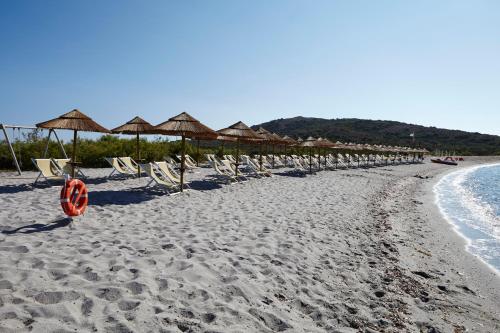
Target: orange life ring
[{"x": 74, "y": 197}]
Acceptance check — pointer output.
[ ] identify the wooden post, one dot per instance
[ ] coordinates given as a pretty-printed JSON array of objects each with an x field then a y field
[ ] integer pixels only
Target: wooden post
[
  {"x": 198, "y": 152},
  {"x": 60, "y": 144},
  {"x": 183, "y": 158},
  {"x": 138, "y": 154},
  {"x": 47, "y": 144},
  {"x": 260, "y": 155},
  {"x": 310, "y": 161},
  {"x": 237, "y": 156},
  {"x": 273, "y": 155},
  {"x": 73, "y": 165},
  {"x": 11, "y": 151}
]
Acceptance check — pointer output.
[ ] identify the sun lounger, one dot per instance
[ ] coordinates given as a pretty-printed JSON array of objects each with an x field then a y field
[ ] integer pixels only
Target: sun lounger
[
  {"x": 119, "y": 167},
  {"x": 230, "y": 167},
  {"x": 158, "y": 178},
  {"x": 187, "y": 162},
  {"x": 64, "y": 165},
  {"x": 48, "y": 169},
  {"x": 129, "y": 163},
  {"x": 222, "y": 173},
  {"x": 168, "y": 172},
  {"x": 254, "y": 168}
]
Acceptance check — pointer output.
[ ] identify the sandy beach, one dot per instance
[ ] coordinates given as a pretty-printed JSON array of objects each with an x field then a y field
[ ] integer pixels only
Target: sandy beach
[{"x": 359, "y": 250}]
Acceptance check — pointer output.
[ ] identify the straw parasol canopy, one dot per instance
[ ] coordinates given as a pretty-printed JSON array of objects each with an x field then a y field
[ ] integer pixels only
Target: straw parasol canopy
[
  {"x": 135, "y": 127},
  {"x": 309, "y": 142},
  {"x": 185, "y": 126},
  {"x": 76, "y": 121},
  {"x": 290, "y": 141},
  {"x": 73, "y": 120},
  {"x": 240, "y": 132}
]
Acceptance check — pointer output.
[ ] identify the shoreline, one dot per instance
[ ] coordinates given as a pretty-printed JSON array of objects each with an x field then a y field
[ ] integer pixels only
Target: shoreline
[
  {"x": 472, "y": 281},
  {"x": 454, "y": 226},
  {"x": 357, "y": 250}
]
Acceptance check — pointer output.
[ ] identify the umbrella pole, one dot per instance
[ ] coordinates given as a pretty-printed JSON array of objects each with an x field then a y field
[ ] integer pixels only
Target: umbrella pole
[
  {"x": 273, "y": 156},
  {"x": 324, "y": 155},
  {"x": 138, "y": 154},
  {"x": 286, "y": 158},
  {"x": 260, "y": 156},
  {"x": 183, "y": 158},
  {"x": 73, "y": 165},
  {"x": 237, "y": 156},
  {"x": 198, "y": 153},
  {"x": 310, "y": 161}
]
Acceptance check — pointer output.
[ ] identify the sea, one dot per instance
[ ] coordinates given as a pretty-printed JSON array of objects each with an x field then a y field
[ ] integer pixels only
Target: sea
[{"x": 469, "y": 199}]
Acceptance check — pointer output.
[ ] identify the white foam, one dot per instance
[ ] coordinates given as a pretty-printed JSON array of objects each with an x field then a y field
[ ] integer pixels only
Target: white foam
[{"x": 472, "y": 219}]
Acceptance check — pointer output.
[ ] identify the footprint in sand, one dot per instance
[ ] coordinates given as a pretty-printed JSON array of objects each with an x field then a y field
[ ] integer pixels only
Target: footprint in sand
[
  {"x": 270, "y": 320},
  {"x": 135, "y": 288},
  {"x": 87, "y": 306},
  {"x": 128, "y": 305},
  {"x": 15, "y": 249},
  {"x": 54, "y": 297},
  {"x": 6, "y": 284},
  {"x": 109, "y": 294}
]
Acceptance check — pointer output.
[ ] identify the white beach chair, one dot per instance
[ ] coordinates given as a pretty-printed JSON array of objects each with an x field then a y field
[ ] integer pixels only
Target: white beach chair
[
  {"x": 158, "y": 178},
  {"x": 129, "y": 163},
  {"x": 64, "y": 165},
  {"x": 48, "y": 170},
  {"x": 222, "y": 173},
  {"x": 119, "y": 168},
  {"x": 169, "y": 173}
]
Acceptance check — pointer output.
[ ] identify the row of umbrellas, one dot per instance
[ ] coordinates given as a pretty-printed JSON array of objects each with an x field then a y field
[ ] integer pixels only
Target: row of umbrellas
[{"x": 186, "y": 126}]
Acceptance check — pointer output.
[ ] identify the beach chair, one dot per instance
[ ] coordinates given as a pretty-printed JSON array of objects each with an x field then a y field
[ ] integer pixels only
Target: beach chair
[
  {"x": 129, "y": 163},
  {"x": 256, "y": 162},
  {"x": 172, "y": 162},
  {"x": 169, "y": 173},
  {"x": 191, "y": 161},
  {"x": 222, "y": 173},
  {"x": 188, "y": 162},
  {"x": 231, "y": 168},
  {"x": 254, "y": 168},
  {"x": 48, "y": 170},
  {"x": 159, "y": 178},
  {"x": 118, "y": 167},
  {"x": 64, "y": 165}
]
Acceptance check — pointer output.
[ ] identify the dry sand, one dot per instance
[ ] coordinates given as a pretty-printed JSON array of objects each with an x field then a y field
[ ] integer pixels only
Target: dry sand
[{"x": 340, "y": 251}]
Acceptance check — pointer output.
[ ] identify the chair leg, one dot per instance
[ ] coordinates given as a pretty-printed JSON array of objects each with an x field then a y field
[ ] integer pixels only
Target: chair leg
[
  {"x": 112, "y": 172},
  {"x": 36, "y": 180}
]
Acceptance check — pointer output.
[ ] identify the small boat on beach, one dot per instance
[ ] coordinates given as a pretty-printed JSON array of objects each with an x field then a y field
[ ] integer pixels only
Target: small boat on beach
[{"x": 448, "y": 161}]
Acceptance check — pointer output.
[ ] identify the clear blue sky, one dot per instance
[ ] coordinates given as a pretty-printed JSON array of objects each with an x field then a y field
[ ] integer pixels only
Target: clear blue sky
[{"x": 424, "y": 62}]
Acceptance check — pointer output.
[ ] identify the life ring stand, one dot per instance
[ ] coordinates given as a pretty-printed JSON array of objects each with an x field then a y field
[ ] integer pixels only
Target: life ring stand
[{"x": 74, "y": 197}]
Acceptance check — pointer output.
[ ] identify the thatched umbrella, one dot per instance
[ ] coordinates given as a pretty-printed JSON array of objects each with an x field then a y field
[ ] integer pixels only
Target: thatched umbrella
[
  {"x": 311, "y": 143},
  {"x": 76, "y": 121},
  {"x": 325, "y": 144},
  {"x": 289, "y": 142},
  {"x": 240, "y": 132},
  {"x": 277, "y": 140},
  {"x": 135, "y": 127},
  {"x": 185, "y": 126},
  {"x": 267, "y": 137}
]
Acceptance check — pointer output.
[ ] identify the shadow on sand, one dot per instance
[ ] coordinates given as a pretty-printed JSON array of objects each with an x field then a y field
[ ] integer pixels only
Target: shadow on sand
[
  {"x": 39, "y": 227},
  {"x": 125, "y": 196}
]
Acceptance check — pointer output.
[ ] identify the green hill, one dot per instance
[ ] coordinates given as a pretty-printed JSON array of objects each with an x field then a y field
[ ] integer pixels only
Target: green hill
[{"x": 388, "y": 133}]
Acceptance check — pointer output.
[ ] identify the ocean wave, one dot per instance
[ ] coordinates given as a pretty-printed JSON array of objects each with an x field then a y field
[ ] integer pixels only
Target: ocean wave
[{"x": 473, "y": 209}]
